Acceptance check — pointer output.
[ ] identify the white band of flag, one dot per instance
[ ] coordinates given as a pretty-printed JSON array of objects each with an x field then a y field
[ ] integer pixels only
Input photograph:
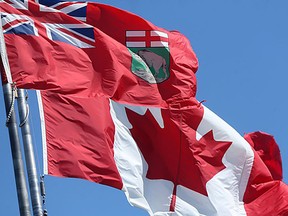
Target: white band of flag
[
  {"x": 43, "y": 132},
  {"x": 136, "y": 44},
  {"x": 159, "y": 33},
  {"x": 159, "y": 44},
  {"x": 135, "y": 33}
]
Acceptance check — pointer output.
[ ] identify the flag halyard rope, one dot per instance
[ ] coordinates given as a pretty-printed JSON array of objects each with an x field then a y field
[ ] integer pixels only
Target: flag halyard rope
[{"x": 14, "y": 95}]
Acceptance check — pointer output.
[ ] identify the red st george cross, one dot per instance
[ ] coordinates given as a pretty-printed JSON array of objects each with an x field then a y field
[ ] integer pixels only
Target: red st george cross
[{"x": 146, "y": 39}]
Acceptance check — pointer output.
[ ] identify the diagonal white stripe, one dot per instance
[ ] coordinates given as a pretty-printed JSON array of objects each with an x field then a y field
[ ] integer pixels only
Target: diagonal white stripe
[
  {"x": 73, "y": 7},
  {"x": 20, "y": 5},
  {"x": 75, "y": 41}
]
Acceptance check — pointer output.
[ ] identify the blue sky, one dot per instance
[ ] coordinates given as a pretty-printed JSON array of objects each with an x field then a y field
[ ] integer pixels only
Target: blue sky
[{"x": 243, "y": 72}]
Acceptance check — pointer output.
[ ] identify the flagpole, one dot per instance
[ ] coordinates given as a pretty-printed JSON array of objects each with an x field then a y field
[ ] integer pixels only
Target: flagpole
[
  {"x": 34, "y": 187},
  {"x": 21, "y": 186}
]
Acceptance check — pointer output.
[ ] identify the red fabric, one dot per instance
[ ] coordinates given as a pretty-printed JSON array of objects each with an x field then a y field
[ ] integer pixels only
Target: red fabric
[
  {"x": 80, "y": 137},
  {"x": 265, "y": 195},
  {"x": 268, "y": 150},
  {"x": 39, "y": 63},
  {"x": 270, "y": 198},
  {"x": 182, "y": 81}
]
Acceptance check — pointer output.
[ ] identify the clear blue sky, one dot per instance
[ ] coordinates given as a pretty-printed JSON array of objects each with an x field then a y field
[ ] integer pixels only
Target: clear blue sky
[{"x": 243, "y": 72}]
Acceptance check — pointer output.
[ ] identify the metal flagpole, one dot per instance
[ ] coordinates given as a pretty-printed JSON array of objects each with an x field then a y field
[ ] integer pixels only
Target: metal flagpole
[
  {"x": 22, "y": 192},
  {"x": 23, "y": 110}
]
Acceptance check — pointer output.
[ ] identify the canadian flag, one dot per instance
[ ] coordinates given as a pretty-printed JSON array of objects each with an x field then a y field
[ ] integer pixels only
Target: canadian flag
[{"x": 183, "y": 160}]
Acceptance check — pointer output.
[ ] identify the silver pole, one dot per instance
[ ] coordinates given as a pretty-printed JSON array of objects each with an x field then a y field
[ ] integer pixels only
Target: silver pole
[
  {"x": 23, "y": 110},
  {"x": 21, "y": 186}
]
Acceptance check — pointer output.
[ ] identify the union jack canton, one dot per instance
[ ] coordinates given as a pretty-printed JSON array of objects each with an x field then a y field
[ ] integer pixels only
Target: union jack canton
[{"x": 78, "y": 34}]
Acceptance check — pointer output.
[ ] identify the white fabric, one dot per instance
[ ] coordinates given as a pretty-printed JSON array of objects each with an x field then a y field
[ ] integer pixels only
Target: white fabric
[{"x": 43, "y": 132}]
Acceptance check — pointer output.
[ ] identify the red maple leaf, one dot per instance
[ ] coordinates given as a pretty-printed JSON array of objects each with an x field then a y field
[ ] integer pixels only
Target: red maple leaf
[{"x": 173, "y": 153}]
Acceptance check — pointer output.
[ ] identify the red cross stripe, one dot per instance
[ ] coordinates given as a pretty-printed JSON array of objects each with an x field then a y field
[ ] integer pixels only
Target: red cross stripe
[{"x": 146, "y": 39}]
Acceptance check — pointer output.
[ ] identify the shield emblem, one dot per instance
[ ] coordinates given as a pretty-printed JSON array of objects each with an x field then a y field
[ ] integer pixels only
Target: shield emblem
[{"x": 150, "y": 54}]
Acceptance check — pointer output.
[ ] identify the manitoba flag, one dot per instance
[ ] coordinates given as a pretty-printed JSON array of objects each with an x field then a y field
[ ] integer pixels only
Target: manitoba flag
[
  {"x": 44, "y": 48},
  {"x": 156, "y": 56},
  {"x": 93, "y": 49}
]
